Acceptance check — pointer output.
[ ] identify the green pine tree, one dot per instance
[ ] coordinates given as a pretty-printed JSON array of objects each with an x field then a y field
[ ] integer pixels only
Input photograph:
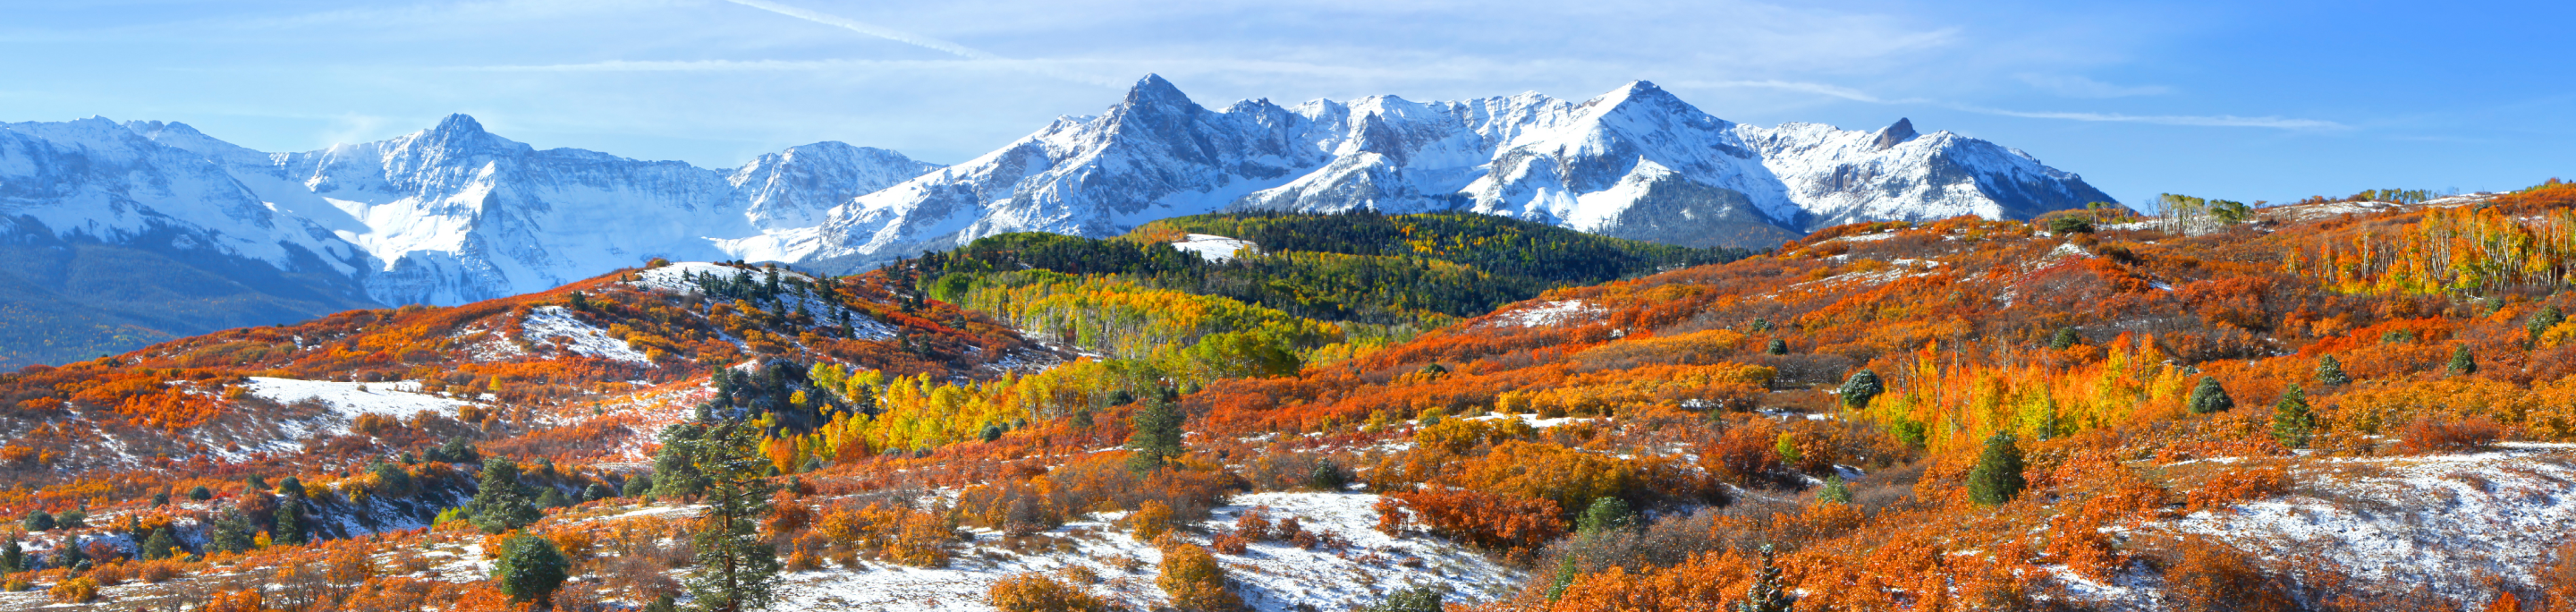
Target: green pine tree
[
  {"x": 1835, "y": 491},
  {"x": 2064, "y": 338},
  {"x": 531, "y": 568},
  {"x": 1768, "y": 593},
  {"x": 675, "y": 470},
  {"x": 500, "y": 503},
  {"x": 2463, "y": 363},
  {"x": 738, "y": 570},
  {"x": 231, "y": 532},
  {"x": 1777, "y": 347},
  {"x": 39, "y": 521},
  {"x": 1857, "y": 390},
  {"x": 201, "y": 493},
  {"x": 1606, "y": 514},
  {"x": 638, "y": 486},
  {"x": 158, "y": 546},
  {"x": 2330, "y": 372},
  {"x": 1157, "y": 434},
  {"x": 2548, "y": 317},
  {"x": 2209, "y": 397},
  {"x": 1997, "y": 477},
  {"x": 2292, "y": 422},
  {"x": 1412, "y": 599},
  {"x": 13, "y": 558},
  {"x": 288, "y": 530}
]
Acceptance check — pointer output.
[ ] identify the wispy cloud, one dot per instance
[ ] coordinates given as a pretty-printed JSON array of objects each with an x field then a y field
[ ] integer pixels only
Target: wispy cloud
[
  {"x": 2073, "y": 86},
  {"x": 1846, "y": 93},
  {"x": 854, "y": 25},
  {"x": 918, "y": 40}
]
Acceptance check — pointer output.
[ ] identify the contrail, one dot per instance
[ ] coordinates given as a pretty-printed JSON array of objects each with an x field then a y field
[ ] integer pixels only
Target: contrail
[{"x": 862, "y": 28}]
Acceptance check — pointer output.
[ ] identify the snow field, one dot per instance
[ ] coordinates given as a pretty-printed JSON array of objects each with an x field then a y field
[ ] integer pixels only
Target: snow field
[
  {"x": 1212, "y": 247},
  {"x": 1270, "y": 576}
]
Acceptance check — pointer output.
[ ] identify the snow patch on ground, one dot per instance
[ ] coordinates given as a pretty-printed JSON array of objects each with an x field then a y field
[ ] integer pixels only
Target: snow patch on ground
[
  {"x": 1212, "y": 247},
  {"x": 1270, "y": 576},
  {"x": 546, "y": 324},
  {"x": 2447, "y": 521},
  {"x": 347, "y": 400},
  {"x": 1548, "y": 313},
  {"x": 676, "y": 277}
]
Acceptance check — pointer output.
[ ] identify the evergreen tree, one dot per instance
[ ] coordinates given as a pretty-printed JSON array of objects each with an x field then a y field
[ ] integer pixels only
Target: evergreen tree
[
  {"x": 2292, "y": 422},
  {"x": 392, "y": 480},
  {"x": 13, "y": 558},
  {"x": 201, "y": 493},
  {"x": 596, "y": 492},
  {"x": 2064, "y": 338},
  {"x": 531, "y": 568},
  {"x": 1835, "y": 491},
  {"x": 1606, "y": 514},
  {"x": 72, "y": 556},
  {"x": 1157, "y": 434},
  {"x": 231, "y": 532},
  {"x": 1858, "y": 389},
  {"x": 1767, "y": 594},
  {"x": 2209, "y": 397},
  {"x": 738, "y": 569},
  {"x": 39, "y": 521},
  {"x": 72, "y": 519},
  {"x": 500, "y": 503},
  {"x": 288, "y": 530},
  {"x": 2462, "y": 362},
  {"x": 291, "y": 486},
  {"x": 257, "y": 483},
  {"x": 638, "y": 486},
  {"x": 2330, "y": 372},
  {"x": 551, "y": 497},
  {"x": 2548, "y": 317},
  {"x": 1777, "y": 347},
  {"x": 675, "y": 469},
  {"x": 1411, "y": 599},
  {"x": 158, "y": 546},
  {"x": 1997, "y": 477}
]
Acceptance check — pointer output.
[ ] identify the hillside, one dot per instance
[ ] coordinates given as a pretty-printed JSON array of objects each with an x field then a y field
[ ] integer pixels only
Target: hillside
[{"x": 2339, "y": 404}]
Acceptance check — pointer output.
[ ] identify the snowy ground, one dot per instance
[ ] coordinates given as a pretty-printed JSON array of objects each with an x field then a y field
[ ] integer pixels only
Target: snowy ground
[
  {"x": 1214, "y": 248},
  {"x": 1548, "y": 313},
  {"x": 347, "y": 400},
  {"x": 2446, "y": 521},
  {"x": 1270, "y": 576},
  {"x": 546, "y": 324}
]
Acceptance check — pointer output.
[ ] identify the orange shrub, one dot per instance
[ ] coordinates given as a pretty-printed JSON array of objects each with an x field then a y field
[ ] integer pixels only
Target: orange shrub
[
  {"x": 2237, "y": 485},
  {"x": 1514, "y": 525},
  {"x": 2432, "y": 436},
  {"x": 1035, "y": 592}
]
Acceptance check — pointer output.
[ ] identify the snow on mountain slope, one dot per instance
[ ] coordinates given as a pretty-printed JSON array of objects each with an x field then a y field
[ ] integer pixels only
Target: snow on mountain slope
[
  {"x": 453, "y": 213},
  {"x": 1636, "y": 162}
]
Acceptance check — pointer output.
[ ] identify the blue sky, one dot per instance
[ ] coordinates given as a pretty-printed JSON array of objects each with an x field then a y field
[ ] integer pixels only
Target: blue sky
[{"x": 2238, "y": 100}]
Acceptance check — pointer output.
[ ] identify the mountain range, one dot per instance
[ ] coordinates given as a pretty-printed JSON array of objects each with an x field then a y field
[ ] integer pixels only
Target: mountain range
[{"x": 126, "y": 233}]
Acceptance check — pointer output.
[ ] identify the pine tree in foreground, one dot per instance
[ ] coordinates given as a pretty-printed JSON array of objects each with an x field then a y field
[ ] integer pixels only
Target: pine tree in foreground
[
  {"x": 1157, "y": 437},
  {"x": 2292, "y": 423},
  {"x": 1767, "y": 593},
  {"x": 2330, "y": 372},
  {"x": 737, "y": 569},
  {"x": 2463, "y": 363},
  {"x": 500, "y": 503},
  {"x": 1857, "y": 390},
  {"x": 531, "y": 568},
  {"x": 2209, "y": 397},
  {"x": 1997, "y": 477}
]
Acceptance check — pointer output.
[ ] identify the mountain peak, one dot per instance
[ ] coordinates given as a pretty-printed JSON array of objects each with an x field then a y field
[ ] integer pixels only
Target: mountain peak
[
  {"x": 459, "y": 123},
  {"x": 1894, "y": 133},
  {"x": 1153, "y": 89}
]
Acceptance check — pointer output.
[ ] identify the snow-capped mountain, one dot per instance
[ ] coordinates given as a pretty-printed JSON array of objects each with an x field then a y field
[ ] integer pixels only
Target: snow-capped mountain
[
  {"x": 454, "y": 214},
  {"x": 1636, "y": 162}
]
